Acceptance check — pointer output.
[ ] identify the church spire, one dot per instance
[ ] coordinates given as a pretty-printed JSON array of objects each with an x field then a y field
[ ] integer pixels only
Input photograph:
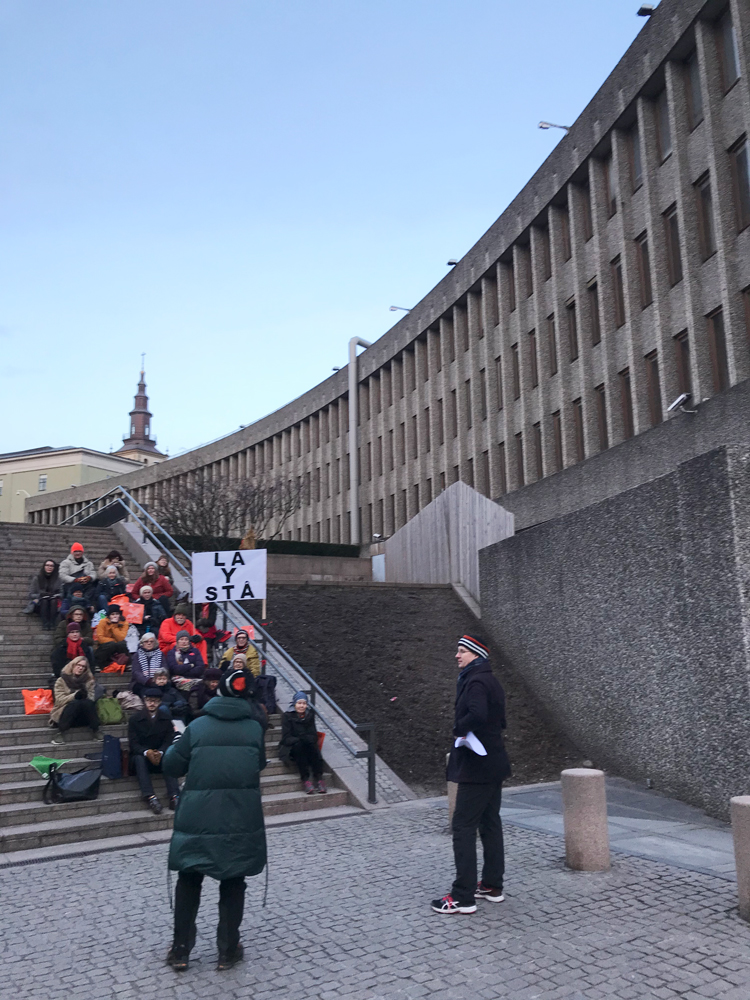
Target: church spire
[{"x": 139, "y": 444}]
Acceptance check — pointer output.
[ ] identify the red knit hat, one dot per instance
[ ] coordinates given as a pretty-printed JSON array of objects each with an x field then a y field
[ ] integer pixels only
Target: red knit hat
[{"x": 76, "y": 547}]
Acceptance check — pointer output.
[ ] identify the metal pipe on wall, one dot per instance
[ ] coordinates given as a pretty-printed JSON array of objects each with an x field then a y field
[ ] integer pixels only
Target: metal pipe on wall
[{"x": 354, "y": 439}]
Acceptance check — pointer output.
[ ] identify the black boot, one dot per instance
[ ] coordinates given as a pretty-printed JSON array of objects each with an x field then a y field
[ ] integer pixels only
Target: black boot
[
  {"x": 178, "y": 958},
  {"x": 229, "y": 959}
]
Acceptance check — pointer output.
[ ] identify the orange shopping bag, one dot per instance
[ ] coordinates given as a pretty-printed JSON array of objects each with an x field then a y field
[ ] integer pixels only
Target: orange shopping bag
[
  {"x": 321, "y": 737},
  {"x": 38, "y": 702},
  {"x": 131, "y": 613},
  {"x": 114, "y": 668}
]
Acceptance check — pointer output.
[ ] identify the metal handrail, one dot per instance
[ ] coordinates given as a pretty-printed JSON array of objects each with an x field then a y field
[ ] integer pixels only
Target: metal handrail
[{"x": 246, "y": 618}]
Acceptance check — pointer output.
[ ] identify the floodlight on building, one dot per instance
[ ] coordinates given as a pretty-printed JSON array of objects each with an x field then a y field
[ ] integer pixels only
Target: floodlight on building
[
  {"x": 335, "y": 369},
  {"x": 545, "y": 125},
  {"x": 646, "y": 10},
  {"x": 451, "y": 263},
  {"x": 394, "y": 309}
]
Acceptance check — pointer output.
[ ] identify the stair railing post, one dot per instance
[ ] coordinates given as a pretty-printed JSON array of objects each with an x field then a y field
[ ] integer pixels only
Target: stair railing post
[{"x": 371, "y": 790}]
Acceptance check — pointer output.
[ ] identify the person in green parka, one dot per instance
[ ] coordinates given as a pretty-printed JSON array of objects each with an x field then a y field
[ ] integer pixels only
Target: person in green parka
[{"x": 218, "y": 825}]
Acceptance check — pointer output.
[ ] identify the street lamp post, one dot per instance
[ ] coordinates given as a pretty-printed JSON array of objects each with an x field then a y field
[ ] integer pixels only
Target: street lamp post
[{"x": 354, "y": 343}]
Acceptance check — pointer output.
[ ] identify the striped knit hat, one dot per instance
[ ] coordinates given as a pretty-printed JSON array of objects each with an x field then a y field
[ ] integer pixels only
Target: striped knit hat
[{"x": 474, "y": 645}]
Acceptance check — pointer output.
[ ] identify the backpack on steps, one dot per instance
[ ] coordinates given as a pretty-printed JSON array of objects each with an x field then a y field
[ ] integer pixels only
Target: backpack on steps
[
  {"x": 112, "y": 764},
  {"x": 110, "y": 712}
]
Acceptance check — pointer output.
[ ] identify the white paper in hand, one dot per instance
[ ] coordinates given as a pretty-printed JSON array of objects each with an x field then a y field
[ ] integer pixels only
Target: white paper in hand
[{"x": 472, "y": 743}]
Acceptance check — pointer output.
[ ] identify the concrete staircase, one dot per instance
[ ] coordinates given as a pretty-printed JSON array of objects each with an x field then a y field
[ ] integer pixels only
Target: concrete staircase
[{"x": 27, "y": 825}]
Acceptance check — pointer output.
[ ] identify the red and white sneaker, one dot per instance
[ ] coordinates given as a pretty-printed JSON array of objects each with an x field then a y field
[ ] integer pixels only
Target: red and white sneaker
[
  {"x": 489, "y": 892},
  {"x": 449, "y": 905}
]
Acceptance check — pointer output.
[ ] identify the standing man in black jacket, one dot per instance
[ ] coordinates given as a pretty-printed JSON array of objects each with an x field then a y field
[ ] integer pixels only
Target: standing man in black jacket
[{"x": 480, "y": 710}]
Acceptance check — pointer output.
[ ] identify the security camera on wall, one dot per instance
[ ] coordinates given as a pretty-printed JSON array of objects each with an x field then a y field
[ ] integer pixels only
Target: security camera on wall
[{"x": 679, "y": 403}]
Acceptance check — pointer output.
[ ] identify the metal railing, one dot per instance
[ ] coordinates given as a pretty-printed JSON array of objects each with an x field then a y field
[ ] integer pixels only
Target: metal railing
[{"x": 280, "y": 659}]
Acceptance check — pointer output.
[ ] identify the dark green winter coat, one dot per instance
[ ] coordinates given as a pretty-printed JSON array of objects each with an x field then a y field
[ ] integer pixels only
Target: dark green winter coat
[{"x": 218, "y": 826}]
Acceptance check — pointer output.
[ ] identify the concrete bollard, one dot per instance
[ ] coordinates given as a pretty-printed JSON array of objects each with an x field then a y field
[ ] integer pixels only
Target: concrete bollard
[
  {"x": 740, "y": 813},
  {"x": 585, "y": 817},
  {"x": 452, "y": 790}
]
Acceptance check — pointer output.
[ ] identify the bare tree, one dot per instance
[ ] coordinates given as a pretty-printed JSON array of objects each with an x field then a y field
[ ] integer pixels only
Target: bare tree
[{"x": 216, "y": 509}]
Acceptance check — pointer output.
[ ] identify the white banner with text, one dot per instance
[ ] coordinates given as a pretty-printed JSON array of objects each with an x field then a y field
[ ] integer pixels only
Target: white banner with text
[{"x": 238, "y": 575}]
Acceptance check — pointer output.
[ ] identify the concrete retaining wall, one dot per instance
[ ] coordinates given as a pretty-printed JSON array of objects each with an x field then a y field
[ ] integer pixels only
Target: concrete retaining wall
[
  {"x": 630, "y": 621},
  {"x": 441, "y": 544}
]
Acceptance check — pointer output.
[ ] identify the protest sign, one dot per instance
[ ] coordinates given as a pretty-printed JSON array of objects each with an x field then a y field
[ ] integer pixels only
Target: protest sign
[{"x": 229, "y": 576}]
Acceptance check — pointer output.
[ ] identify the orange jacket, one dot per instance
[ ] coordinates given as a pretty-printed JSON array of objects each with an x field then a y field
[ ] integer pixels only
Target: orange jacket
[
  {"x": 107, "y": 631},
  {"x": 168, "y": 636}
]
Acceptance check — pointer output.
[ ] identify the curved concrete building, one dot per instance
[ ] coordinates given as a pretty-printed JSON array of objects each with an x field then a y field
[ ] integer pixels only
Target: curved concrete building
[{"x": 618, "y": 279}]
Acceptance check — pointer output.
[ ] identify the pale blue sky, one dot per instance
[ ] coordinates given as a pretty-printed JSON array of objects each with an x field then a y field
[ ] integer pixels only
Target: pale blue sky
[{"x": 237, "y": 188}]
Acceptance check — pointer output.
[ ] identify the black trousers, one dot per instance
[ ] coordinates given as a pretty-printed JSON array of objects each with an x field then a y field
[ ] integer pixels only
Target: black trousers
[
  {"x": 79, "y": 712},
  {"x": 105, "y": 653},
  {"x": 47, "y": 609},
  {"x": 144, "y": 769},
  {"x": 231, "y": 905},
  {"x": 307, "y": 757},
  {"x": 477, "y": 808}
]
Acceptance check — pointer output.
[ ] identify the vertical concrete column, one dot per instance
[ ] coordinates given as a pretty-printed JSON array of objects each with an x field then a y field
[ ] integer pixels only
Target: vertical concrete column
[
  {"x": 585, "y": 819},
  {"x": 740, "y": 814}
]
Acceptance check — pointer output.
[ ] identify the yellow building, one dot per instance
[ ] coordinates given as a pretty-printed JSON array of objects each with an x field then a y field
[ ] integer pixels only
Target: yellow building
[{"x": 41, "y": 470}]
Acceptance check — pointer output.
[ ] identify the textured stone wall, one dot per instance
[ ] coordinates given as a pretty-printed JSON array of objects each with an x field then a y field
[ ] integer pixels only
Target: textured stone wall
[{"x": 629, "y": 620}]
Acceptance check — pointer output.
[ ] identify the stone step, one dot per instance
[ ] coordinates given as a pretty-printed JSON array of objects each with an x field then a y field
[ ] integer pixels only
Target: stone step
[
  {"x": 49, "y": 832},
  {"x": 23, "y": 752},
  {"x": 149, "y": 838},
  {"x": 64, "y": 831},
  {"x": 22, "y": 801},
  {"x": 12, "y": 774},
  {"x": 26, "y": 729},
  {"x": 32, "y": 735}
]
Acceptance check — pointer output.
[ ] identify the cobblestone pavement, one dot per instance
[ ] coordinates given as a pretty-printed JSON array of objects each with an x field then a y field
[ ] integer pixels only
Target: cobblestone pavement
[{"x": 348, "y": 919}]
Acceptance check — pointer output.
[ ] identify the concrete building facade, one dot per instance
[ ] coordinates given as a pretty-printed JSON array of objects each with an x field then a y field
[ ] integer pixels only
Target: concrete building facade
[
  {"x": 618, "y": 279},
  {"x": 40, "y": 471}
]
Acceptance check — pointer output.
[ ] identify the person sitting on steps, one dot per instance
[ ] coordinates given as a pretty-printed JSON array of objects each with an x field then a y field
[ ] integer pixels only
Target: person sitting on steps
[
  {"x": 111, "y": 585},
  {"x": 150, "y": 734},
  {"x": 74, "y": 700},
  {"x": 109, "y": 639},
  {"x": 153, "y": 611},
  {"x": 78, "y": 596},
  {"x": 72, "y": 647},
  {"x": 172, "y": 699},
  {"x": 162, "y": 588},
  {"x": 299, "y": 742},
  {"x": 77, "y": 569},
  {"x": 179, "y": 622},
  {"x": 146, "y": 661},
  {"x": 44, "y": 594},
  {"x": 184, "y": 660},
  {"x": 79, "y": 614},
  {"x": 113, "y": 558},
  {"x": 206, "y": 689},
  {"x": 242, "y": 645}
]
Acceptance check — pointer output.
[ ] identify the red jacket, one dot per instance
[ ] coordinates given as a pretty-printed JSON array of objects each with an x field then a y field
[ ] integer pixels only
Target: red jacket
[
  {"x": 162, "y": 587},
  {"x": 168, "y": 636}
]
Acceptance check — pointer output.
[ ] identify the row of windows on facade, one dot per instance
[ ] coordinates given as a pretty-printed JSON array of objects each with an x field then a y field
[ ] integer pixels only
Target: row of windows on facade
[
  {"x": 41, "y": 487},
  {"x": 401, "y": 376},
  {"x": 384, "y": 454}
]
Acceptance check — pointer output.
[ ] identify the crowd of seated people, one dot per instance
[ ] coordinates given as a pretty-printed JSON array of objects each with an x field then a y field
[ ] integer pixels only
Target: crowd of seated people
[{"x": 173, "y": 676}]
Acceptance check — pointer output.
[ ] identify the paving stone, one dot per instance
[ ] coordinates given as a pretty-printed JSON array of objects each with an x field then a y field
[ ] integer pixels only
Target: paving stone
[{"x": 348, "y": 918}]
